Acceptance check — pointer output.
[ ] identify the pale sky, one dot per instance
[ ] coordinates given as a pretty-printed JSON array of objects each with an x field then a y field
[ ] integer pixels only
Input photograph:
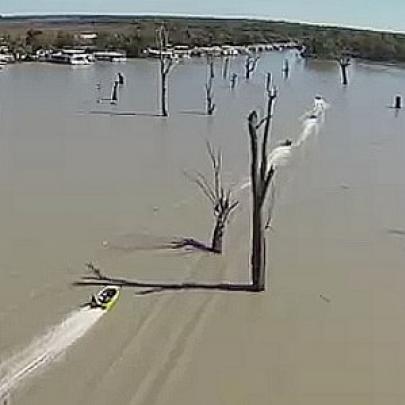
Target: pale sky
[{"x": 378, "y": 14}]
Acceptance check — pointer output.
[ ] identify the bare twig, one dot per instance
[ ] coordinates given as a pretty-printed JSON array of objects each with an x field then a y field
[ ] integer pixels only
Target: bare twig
[{"x": 202, "y": 183}]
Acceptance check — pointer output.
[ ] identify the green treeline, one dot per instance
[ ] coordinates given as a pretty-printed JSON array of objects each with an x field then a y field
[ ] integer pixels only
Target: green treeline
[{"x": 133, "y": 34}]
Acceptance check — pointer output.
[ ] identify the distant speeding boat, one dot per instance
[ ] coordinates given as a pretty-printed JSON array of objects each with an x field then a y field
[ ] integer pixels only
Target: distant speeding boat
[{"x": 105, "y": 298}]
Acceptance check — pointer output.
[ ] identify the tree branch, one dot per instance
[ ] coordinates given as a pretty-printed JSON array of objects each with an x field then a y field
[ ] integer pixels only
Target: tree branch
[
  {"x": 272, "y": 94},
  {"x": 202, "y": 183},
  {"x": 266, "y": 184},
  {"x": 252, "y": 122}
]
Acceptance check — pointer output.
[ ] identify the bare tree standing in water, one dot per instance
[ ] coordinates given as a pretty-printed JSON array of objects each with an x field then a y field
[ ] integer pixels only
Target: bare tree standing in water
[
  {"x": 222, "y": 202},
  {"x": 234, "y": 78},
  {"x": 225, "y": 68},
  {"x": 114, "y": 93},
  {"x": 121, "y": 78},
  {"x": 166, "y": 63},
  {"x": 209, "y": 86},
  {"x": 344, "y": 63},
  {"x": 286, "y": 69},
  {"x": 250, "y": 65},
  {"x": 261, "y": 178}
]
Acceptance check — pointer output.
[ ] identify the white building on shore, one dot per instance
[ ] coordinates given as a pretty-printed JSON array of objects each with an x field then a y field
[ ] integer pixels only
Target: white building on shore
[
  {"x": 67, "y": 57},
  {"x": 110, "y": 56}
]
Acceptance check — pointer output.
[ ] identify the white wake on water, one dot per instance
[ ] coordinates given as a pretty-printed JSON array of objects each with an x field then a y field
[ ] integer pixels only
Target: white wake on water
[
  {"x": 46, "y": 349},
  {"x": 312, "y": 121}
]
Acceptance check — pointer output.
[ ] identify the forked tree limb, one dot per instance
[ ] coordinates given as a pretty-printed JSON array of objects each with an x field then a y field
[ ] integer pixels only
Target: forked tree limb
[{"x": 218, "y": 194}]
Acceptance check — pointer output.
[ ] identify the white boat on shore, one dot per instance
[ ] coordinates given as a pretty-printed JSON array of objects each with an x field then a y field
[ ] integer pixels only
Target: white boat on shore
[
  {"x": 71, "y": 57},
  {"x": 110, "y": 56},
  {"x": 6, "y": 58}
]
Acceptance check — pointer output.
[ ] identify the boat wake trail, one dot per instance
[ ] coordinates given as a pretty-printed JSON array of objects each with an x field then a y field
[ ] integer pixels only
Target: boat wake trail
[
  {"x": 46, "y": 349},
  {"x": 310, "y": 126},
  {"x": 312, "y": 122}
]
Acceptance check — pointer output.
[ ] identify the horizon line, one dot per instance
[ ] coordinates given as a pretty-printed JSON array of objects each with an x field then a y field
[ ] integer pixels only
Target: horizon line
[{"x": 185, "y": 15}]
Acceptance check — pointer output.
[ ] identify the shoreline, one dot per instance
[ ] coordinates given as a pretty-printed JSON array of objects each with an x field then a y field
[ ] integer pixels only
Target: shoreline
[{"x": 133, "y": 34}]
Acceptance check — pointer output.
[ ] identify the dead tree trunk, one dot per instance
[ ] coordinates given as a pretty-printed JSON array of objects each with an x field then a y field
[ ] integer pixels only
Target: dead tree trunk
[
  {"x": 166, "y": 63},
  {"x": 209, "y": 87},
  {"x": 218, "y": 234},
  {"x": 286, "y": 69},
  {"x": 220, "y": 197},
  {"x": 114, "y": 93},
  {"x": 344, "y": 63},
  {"x": 234, "y": 78},
  {"x": 121, "y": 78},
  {"x": 163, "y": 97},
  {"x": 225, "y": 68},
  {"x": 250, "y": 66},
  {"x": 261, "y": 178},
  {"x": 398, "y": 102}
]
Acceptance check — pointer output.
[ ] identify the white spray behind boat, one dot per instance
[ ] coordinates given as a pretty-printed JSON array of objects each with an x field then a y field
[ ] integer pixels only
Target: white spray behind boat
[
  {"x": 46, "y": 349},
  {"x": 312, "y": 122}
]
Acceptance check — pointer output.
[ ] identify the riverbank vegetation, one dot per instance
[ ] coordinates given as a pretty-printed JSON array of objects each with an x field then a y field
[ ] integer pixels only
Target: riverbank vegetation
[{"x": 134, "y": 34}]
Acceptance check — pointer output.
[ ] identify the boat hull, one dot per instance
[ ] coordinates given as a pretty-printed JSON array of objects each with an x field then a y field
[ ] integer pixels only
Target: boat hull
[{"x": 106, "y": 299}]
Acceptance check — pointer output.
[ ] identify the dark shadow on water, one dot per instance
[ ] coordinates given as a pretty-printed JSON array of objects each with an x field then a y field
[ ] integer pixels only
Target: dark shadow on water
[
  {"x": 396, "y": 232},
  {"x": 126, "y": 114},
  {"x": 157, "y": 287},
  {"x": 148, "y": 287},
  {"x": 143, "y": 242},
  {"x": 395, "y": 109},
  {"x": 196, "y": 112},
  {"x": 187, "y": 243}
]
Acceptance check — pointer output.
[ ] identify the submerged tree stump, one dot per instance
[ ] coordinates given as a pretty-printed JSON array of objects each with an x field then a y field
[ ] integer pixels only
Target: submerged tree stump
[
  {"x": 250, "y": 66},
  {"x": 225, "y": 68},
  {"x": 344, "y": 63},
  {"x": 234, "y": 78},
  {"x": 121, "y": 79},
  {"x": 398, "y": 102},
  {"x": 114, "y": 93},
  {"x": 286, "y": 69}
]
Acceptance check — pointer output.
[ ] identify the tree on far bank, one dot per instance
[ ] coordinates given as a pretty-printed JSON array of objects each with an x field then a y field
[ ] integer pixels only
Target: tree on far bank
[{"x": 64, "y": 39}]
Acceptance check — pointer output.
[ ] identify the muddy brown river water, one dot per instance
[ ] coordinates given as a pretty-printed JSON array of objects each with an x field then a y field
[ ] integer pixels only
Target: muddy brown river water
[{"x": 329, "y": 330}]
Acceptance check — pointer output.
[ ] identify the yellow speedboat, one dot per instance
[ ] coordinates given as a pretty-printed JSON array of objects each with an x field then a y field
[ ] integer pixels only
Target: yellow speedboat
[{"x": 105, "y": 298}]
